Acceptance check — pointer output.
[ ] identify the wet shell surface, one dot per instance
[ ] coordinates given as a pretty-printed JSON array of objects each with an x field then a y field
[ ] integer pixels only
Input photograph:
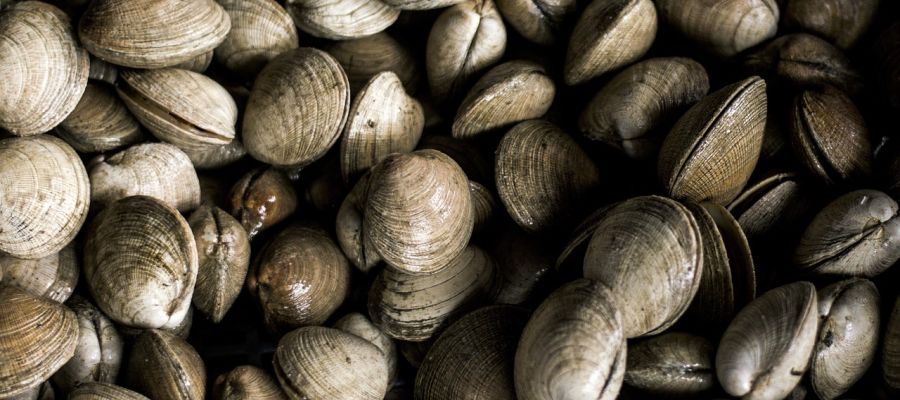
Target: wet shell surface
[
  {"x": 674, "y": 364},
  {"x": 100, "y": 122},
  {"x": 262, "y": 198},
  {"x": 537, "y": 20},
  {"x": 342, "y": 19},
  {"x": 721, "y": 27},
  {"x": 260, "y": 31},
  {"x": 98, "y": 354},
  {"x": 247, "y": 382},
  {"x": 104, "y": 391},
  {"x": 164, "y": 366},
  {"x": 52, "y": 277},
  {"x": 365, "y": 57}
]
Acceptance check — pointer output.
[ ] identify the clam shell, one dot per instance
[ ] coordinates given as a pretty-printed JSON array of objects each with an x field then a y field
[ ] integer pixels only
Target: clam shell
[
  {"x": 197, "y": 64},
  {"x": 152, "y": 33},
  {"x": 803, "y": 60},
  {"x": 361, "y": 326},
  {"x": 297, "y": 108},
  {"x": 45, "y": 195},
  {"x": 100, "y": 122},
  {"x": 260, "y": 31},
  {"x": 214, "y": 157},
  {"x": 609, "y": 35},
  {"x": 158, "y": 170},
  {"x": 766, "y": 348},
  {"x": 52, "y": 277},
  {"x": 773, "y": 205},
  {"x": 840, "y": 21},
  {"x": 573, "y": 346},
  {"x": 890, "y": 357},
  {"x": 341, "y": 19},
  {"x": 247, "y": 382},
  {"x": 104, "y": 391},
  {"x": 421, "y": 4},
  {"x": 721, "y": 27},
  {"x": 484, "y": 205},
  {"x": 45, "y": 71},
  {"x": 511, "y": 92},
  {"x": 711, "y": 151},
  {"x": 365, "y": 57},
  {"x": 262, "y": 198},
  {"x": 164, "y": 366},
  {"x": 672, "y": 365},
  {"x": 537, "y": 20},
  {"x": 351, "y": 236},
  {"x": 140, "y": 263},
  {"x": 98, "y": 354}
]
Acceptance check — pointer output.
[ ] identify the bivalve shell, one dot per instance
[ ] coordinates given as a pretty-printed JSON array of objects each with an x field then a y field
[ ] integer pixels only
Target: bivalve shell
[
  {"x": 262, "y": 198},
  {"x": 840, "y": 21},
  {"x": 100, "y": 122},
  {"x": 722, "y": 27},
  {"x": 365, "y": 57},
  {"x": 673, "y": 365},
  {"x": 361, "y": 326},
  {"x": 537, "y": 20},
  {"x": 260, "y": 31},
  {"x": 98, "y": 354},
  {"x": 342, "y": 19},
  {"x": 52, "y": 277},
  {"x": 164, "y": 366},
  {"x": 247, "y": 382},
  {"x": 104, "y": 391}
]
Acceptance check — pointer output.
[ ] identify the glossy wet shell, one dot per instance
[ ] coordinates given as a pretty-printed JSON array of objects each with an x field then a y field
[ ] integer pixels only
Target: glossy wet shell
[
  {"x": 672, "y": 365},
  {"x": 104, "y": 391},
  {"x": 361, "y": 326},
  {"x": 247, "y": 382},
  {"x": 260, "y": 31},
  {"x": 164, "y": 366},
  {"x": 341, "y": 19},
  {"x": 261, "y": 199},
  {"x": 52, "y": 277},
  {"x": 100, "y": 122},
  {"x": 537, "y": 20},
  {"x": 721, "y": 27},
  {"x": 98, "y": 354},
  {"x": 363, "y": 58}
]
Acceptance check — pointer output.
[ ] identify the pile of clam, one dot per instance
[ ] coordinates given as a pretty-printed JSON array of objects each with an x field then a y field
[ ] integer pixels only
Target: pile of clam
[{"x": 449, "y": 199}]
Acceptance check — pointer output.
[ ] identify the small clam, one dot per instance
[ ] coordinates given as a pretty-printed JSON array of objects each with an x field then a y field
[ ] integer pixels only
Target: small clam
[
  {"x": 182, "y": 330},
  {"x": 840, "y": 21},
  {"x": 573, "y": 346},
  {"x": 104, "y": 391},
  {"x": 857, "y": 234},
  {"x": 152, "y": 33},
  {"x": 260, "y": 31},
  {"x": 262, "y": 198},
  {"x": 767, "y": 347},
  {"x": 361, "y": 326},
  {"x": 52, "y": 277},
  {"x": 711, "y": 151},
  {"x": 158, "y": 170},
  {"x": 671, "y": 365},
  {"x": 537, "y": 20},
  {"x": 890, "y": 357},
  {"x": 421, "y": 4},
  {"x": 351, "y": 236},
  {"x": 100, "y": 122},
  {"x": 140, "y": 263},
  {"x": 803, "y": 60},
  {"x": 363, "y": 58},
  {"x": 465, "y": 39},
  {"x": 297, "y": 108},
  {"x": 246, "y": 383},
  {"x": 511, "y": 92},
  {"x": 164, "y": 366},
  {"x": 342, "y": 19},
  {"x": 609, "y": 35},
  {"x": 319, "y": 363},
  {"x": 98, "y": 354},
  {"x": 721, "y": 27}
]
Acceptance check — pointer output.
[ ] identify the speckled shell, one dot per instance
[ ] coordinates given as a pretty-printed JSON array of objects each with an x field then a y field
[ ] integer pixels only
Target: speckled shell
[
  {"x": 262, "y": 198},
  {"x": 100, "y": 122},
  {"x": 164, "y": 366},
  {"x": 361, "y": 326},
  {"x": 247, "y": 382},
  {"x": 537, "y": 20},
  {"x": 721, "y": 27},
  {"x": 363, "y": 58},
  {"x": 840, "y": 21},
  {"x": 52, "y": 277},
  {"x": 104, "y": 391},
  {"x": 672, "y": 365},
  {"x": 342, "y": 19},
  {"x": 260, "y": 31},
  {"x": 98, "y": 354}
]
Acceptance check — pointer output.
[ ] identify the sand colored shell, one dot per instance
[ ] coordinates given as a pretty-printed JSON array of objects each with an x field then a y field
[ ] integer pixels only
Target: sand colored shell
[
  {"x": 260, "y": 31},
  {"x": 53, "y": 277},
  {"x": 342, "y": 19},
  {"x": 100, "y": 122}
]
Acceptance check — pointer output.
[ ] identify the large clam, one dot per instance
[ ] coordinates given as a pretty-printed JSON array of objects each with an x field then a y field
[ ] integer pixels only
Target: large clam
[
  {"x": 722, "y": 27},
  {"x": 260, "y": 31},
  {"x": 364, "y": 57}
]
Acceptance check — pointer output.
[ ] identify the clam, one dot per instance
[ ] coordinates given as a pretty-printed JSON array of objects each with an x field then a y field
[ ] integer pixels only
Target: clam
[
  {"x": 223, "y": 256},
  {"x": 315, "y": 362},
  {"x": 484, "y": 206},
  {"x": 543, "y": 177},
  {"x": 523, "y": 263},
  {"x": 511, "y": 92},
  {"x": 421, "y": 4},
  {"x": 361, "y": 326},
  {"x": 98, "y": 354},
  {"x": 52, "y": 277},
  {"x": 840, "y": 21},
  {"x": 100, "y": 122},
  {"x": 802, "y": 60},
  {"x": 766, "y": 348},
  {"x": 890, "y": 357},
  {"x": 416, "y": 307},
  {"x": 246, "y": 382},
  {"x": 44, "y": 72},
  {"x": 711, "y": 151},
  {"x": 45, "y": 195},
  {"x": 140, "y": 263},
  {"x": 383, "y": 120},
  {"x": 262, "y": 198},
  {"x": 671, "y": 365},
  {"x": 341, "y": 19},
  {"x": 418, "y": 214},
  {"x": 537, "y": 20},
  {"x": 351, "y": 236},
  {"x": 300, "y": 278},
  {"x": 182, "y": 330},
  {"x": 649, "y": 251},
  {"x": 573, "y": 347},
  {"x": 857, "y": 234},
  {"x": 104, "y": 391},
  {"x": 721, "y": 27},
  {"x": 465, "y": 39},
  {"x": 849, "y": 319},
  {"x": 365, "y": 57},
  {"x": 830, "y": 137},
  {"x": 474, "y": 358},
  {"x": 179, "y": 106},
  {"x": 37, "y": 337},
  {"x": 297, "y": 108},
  {"x": 164, "y": 366},
  {"x": 470, "y": 157},
  {"x": 213, "y": 157},
  {"x": 609, "y": 35},
  {"x": 158, "y": 170},
  {"x": 260, "y": 31},
  {"x": 152, "y": 33},
  {"x": 775, "y": 204},
  {"x": 642, "y": 99}
]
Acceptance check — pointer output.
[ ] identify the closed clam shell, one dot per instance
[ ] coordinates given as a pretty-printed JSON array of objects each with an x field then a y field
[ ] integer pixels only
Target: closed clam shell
[
  {"x": 140, "y": 263},
  {"x": 383, "y": 120},
  {"x": 475, "y": 357},
  {"x": 840, "y": 21},
  {"x": 674, "y": 364},
  {"x": 649, "y": 251},
  {"x": 711, "y": 151},
  {"x": 361, "y": 326},
  {"x": 351, "y": 236},
  {"x": 418, "y": 213},
  {"x": 573, "y": 347},
  {"x": 365, "y": 57},
  {"x": 260, "y": 31},
  {"x": 98, "y": 354},
  {"x": 52, "y": 277},
  {"x": 45, "y": 71},
  {"x": 776, "y": 203},
  {"x": 465, "y": 39},
  {"x": 510, "y": 92},
  {"x": 179, "y": 106},
  {"x": 246, "y": 382},
  {"x": 849, "y": 320},
  {"x": 484, "y": 206},
  {"x": 640, "y": 100},
  {"x": 223, "y": 256},
  {"x": 543, "y": 177},
  {"x": 104, "y": 391},
  {"x": 299, "y": 257},
  {"x": 37, "y": 337},
  {"x": 609, "y": 35},
  {"x": 890, "y": 357},
  {"x": 421, "y": 4},
  {"x": 297, "y": 108},
  {"x": 829, "y": 135},
  {"x": 152, "y": 33},
  {"x": 158, "y": 170},
  {"x": 164, "y": 366},
  {"x": 45, "y": 195},
  {"x": 262, "y": 198},
  {"x": 857, "y": 234},
  {"x": 802, "y": 59},
  {"x": 416, "y": 307},
  {"x": 341, "y": 19},
  {"x": 721, "y": 27},
  {"x": 537, "y": 20},
  {"x": 766, "y": 348},
  {"x": 213, "y": 157},
  {"x": 315, "y": 362},
  {"x": 100, "y": 122}
]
